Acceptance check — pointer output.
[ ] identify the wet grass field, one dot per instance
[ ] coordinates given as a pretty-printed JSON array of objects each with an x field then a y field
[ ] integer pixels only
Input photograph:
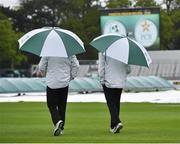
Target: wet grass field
[{"x": 26, "y": 122}]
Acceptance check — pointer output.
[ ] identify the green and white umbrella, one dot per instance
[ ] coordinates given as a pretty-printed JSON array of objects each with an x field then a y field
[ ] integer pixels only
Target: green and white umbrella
[
  {"x": 51, "y": 41},
  {"x": 122, "y": 48}
]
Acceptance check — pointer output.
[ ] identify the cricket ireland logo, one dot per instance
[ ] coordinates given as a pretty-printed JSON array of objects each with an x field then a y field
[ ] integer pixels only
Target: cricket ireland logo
[{"x": 114, "y": 27}]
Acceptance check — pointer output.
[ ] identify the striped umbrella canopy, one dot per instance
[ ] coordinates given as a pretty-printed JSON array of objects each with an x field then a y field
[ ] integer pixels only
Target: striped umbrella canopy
[
  {"x": 51, "y": 41},
  {"x": 122, "y": 48}
]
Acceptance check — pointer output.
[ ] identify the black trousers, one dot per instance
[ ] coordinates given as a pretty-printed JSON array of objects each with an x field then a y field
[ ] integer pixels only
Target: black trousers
[
  {"x": 113, "y": 96},
  {"x": 56, "y": 102}
]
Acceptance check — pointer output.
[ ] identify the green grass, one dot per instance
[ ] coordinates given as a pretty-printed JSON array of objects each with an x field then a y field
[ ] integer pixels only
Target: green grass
[{"x": 89, "y": 122}]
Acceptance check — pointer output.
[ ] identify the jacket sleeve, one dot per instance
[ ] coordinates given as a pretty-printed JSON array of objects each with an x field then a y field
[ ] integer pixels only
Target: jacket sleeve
[
  {"x": 42, "y": 66},
  {"x": 101, "y": 68},
  {"x": 74, "y": 67}
]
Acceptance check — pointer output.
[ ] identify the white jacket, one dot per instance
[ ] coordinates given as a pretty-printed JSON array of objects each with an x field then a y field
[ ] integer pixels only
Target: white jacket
[
  {"x": 59, "y": 71},
  {"x": 112, "y": 73}
]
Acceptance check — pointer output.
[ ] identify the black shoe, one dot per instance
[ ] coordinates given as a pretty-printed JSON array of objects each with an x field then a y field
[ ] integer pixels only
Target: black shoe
[
  {"x": 117, "y": 128},
  {"x": 58, "y": 128}
]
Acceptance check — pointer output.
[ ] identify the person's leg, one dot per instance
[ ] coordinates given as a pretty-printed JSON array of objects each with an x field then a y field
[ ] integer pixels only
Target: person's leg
[
  {"x": 117, "y": 94},
  {"x": 62, "y": 101},
  {"x": 52, "y": 103},
  {"x": 112, "y": 100}
]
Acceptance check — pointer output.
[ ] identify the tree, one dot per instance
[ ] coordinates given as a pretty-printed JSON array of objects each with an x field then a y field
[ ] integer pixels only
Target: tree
[
  {"x": 175, "y": 16},
  {"x": 84, "y": 21},
  {"x": 9, "y": 55},
  {"x": 119, "y": 3},
  {"x": 145, "y": 3},
  {"x": 39, "y": 13},
  {"x": 168, "y": 4},
  {"x": 166, "y": 30},
  {"x": 92, "y": 30},
  {"x": 11, "y": 15},
  {"x": 171, "y": 4}
]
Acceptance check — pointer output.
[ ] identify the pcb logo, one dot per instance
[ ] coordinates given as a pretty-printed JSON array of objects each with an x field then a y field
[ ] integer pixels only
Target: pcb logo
[{"x": 146, "y": 33}]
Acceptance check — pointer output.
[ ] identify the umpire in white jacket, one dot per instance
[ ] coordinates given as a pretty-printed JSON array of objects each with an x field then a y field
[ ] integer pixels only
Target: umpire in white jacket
[
  {"x": 59, "y": 72},
  {"x": 113, "y": 76}
]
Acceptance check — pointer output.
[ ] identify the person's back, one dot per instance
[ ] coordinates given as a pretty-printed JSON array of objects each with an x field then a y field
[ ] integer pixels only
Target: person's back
[
  {"x": 112, "y": 73},
  {"x": 59, "y": 71}
]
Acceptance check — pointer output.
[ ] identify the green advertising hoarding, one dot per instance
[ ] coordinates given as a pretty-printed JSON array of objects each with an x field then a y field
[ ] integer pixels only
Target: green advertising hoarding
[{"x": 141, "y": 24}]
